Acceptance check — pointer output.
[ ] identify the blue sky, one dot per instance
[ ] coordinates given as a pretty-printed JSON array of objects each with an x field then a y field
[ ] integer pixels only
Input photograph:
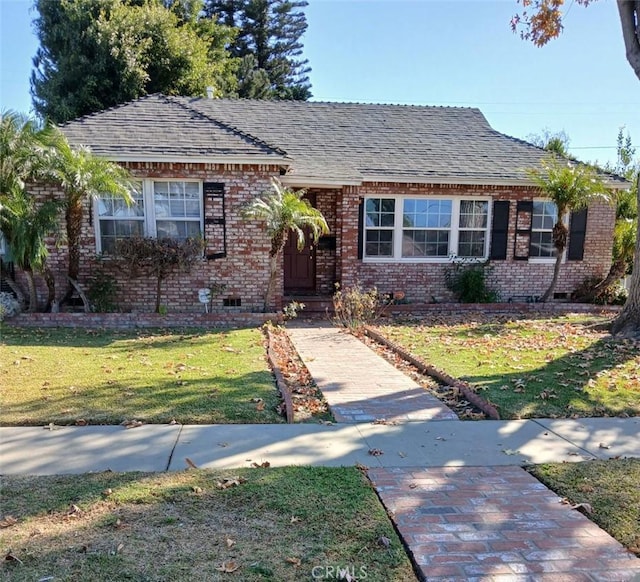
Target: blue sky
[{"x": 424, "y": 52}]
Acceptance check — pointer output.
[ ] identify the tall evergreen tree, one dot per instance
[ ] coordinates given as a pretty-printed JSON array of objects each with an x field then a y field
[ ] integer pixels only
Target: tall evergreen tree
[
  {"x": 94, "y": 54},
  {"x": 269, "y": 44}
]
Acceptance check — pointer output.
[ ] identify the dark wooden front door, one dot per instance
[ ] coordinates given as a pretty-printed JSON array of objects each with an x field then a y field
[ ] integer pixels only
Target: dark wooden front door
[{"x": 299, "y": 266}]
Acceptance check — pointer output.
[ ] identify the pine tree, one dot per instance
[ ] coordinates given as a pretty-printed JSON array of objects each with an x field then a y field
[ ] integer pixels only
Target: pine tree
[
  {"x": 269, "y": 44},
  {"x": 94, "y": 54}
]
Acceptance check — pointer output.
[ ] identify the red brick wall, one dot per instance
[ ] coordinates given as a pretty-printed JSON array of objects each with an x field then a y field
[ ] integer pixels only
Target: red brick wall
[
  {"x": 423, "y": 282},
  {"x": 245, "y": 270}
]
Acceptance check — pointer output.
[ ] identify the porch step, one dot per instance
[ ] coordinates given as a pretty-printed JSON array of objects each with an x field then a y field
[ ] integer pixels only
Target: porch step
[{"x": 314, "y": 305}]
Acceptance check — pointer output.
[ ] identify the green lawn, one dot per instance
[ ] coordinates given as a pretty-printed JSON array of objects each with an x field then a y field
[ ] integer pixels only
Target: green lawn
[
  {"x": 280, "y": 524},
  {"x": 106, "y": 377},
  {"x": 551, "y": 367},
  {"x": 610, "y": 487}
]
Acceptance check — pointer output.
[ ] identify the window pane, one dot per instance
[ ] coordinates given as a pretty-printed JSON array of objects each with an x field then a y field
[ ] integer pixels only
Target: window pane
[
  {"x": 379, "y": 243},
  {"x": 541, "y": 245},
  {"x": 192, "y": 208},
  {"x": 176, "y": 207},
  {"x": 192, "y": 190},
  {"x": 178, "y": 229},
  {"x": 471, "y": 243},
  {"x": 473, "y": 213},
  {"x": 425, "y": 243},
  {"x": 423, "y": 213},
  {"x": 544, "y": 215},
  {"x": 380, "y": 212}
]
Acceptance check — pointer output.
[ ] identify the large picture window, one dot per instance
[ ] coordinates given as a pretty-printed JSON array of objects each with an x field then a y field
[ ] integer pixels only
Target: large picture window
[
  {"x": 163, "y": 209},
  {"x": 543, "y": 217},
  {"x": 417, "y": 229}
]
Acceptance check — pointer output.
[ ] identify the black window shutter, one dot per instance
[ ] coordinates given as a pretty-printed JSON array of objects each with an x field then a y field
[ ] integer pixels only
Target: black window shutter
[
  {"x": 524, "y": 212},
  {"x": 360, "y": 228},
  {"x": 499, "y": 230},
  {"x": 215, "y": 228},
  {"x": 577, "y": 232}
]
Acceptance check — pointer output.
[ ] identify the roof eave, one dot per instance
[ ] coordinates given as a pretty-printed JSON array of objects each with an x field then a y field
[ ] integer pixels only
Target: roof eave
[{"x": 453, "y": 180}]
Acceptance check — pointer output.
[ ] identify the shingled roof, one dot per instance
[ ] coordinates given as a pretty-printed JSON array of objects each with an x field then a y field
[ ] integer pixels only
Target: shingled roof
[{"x": 345, "y": 143}]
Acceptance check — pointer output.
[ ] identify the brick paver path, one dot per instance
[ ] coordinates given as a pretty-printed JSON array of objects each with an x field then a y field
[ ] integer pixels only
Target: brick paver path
[
  {"x": 359, "y": 385},
  {"x": 496, "y": 523}
]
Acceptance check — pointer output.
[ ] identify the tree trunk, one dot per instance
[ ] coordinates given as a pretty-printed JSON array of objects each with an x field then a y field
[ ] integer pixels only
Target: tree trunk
[
  {"x": 616, "y": 272},
  {"x": 629, "y": 11},
  {"x": 158, "y": 292},
  {"x": 273, "y": 274},
  {"x": 73, "y": 218},
  {"x": 33, "y": 294},
  {"x": 628, "y": 321},
  {"x": 51, "y": 288}
]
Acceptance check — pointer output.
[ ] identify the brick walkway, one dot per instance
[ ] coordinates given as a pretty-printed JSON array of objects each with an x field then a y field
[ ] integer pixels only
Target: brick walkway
[
  {"x": 359, "y": 385},
  {"x": 496, "y": 523}
]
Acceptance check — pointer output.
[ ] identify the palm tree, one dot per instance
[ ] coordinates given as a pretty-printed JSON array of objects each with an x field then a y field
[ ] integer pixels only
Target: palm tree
[
  {"x": 83, "y": 175},
  {"x": 25, "y": 225},
  {"x": 570, "y": 187},
  {"x": 284, "y": 210},
  {"x": 24, "y": 151}
]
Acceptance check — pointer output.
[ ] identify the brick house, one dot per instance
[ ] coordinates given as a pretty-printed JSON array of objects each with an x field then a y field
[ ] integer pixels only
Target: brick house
[{"x": 403, "y": 188}]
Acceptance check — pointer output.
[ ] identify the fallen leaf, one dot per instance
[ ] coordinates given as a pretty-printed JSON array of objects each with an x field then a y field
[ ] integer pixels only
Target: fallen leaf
[
  {"x": 260, "y": 406},
  {"x": 402, "y": 454},
  {"x": 510, "y": 452},
  {"x": 295, "y": 561},
  {"x": 223, "y": 444},
  {"x": 384, "y": 541},
  {"x": 8, "y": 521},
  {"x": 228, "y": 567},
  {"x": 586, "y": 506},
  {"x": 131, "y": 423},
  {"x": 119, "y": 548},
  {"x": 197, "y": 490},
  {"x": 108, "y": 491},
  {"x": 12, "y": 558},
  {"x": 230, "y": 543},
  {"x": 51, "y": 426},
  {"x": 191, "y": 463},
  {"x": 412, "y": 485},
  {"x": 376, "y": 452},
  {"x": 229, "y": 482},
  {"x": 603, "y": 446},
  {"x": 294, "y": 519},
  {"x": 361, "y": 467},
  {"x": 263, "y": 465},
  {"x": 74, "y": 510},
  {"x": 326, "y": 422},
  {"x": 81, "y": 422}
]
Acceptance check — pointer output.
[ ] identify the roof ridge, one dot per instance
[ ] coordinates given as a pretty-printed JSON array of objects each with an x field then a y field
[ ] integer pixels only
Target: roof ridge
[
  {"x": 231, "y": 128},
  {"x": 112, "y": 108}
]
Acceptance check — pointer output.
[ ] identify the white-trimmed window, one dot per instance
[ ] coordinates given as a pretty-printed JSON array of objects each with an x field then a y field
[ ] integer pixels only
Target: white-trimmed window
[
  {"x": 162, "y": 208},
  {"x": 425, "y": 229},
  {"x": 543, "y": 217}
]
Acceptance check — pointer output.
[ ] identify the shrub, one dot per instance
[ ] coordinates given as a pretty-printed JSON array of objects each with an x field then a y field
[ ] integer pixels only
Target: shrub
[
  {"x": 468, "y": 281},
  {"x": 9, "y": 305},
  {"x": 615, "y": 294},
  {"x": 102, "y": 292},
  {"x": 355, "y": 307}
]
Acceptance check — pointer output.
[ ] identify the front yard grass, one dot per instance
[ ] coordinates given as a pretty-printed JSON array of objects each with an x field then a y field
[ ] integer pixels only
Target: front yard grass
[
  {"x": 278, "y": 525},
  {"x": 548, "y": 367},
  {"x": 68, "y": 376},
  {"x": 609, "y": 487}
]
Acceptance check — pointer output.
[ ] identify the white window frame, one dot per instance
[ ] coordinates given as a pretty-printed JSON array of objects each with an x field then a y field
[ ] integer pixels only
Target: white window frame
[
  {"x": 149, "y": 219},
  {"x": 551, "y": 259},
  {"x": 454, "y": 230}
]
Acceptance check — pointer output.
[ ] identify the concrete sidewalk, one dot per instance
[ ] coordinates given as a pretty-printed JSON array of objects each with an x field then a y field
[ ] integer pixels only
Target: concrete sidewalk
[{"x": 34, "y": 450}]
